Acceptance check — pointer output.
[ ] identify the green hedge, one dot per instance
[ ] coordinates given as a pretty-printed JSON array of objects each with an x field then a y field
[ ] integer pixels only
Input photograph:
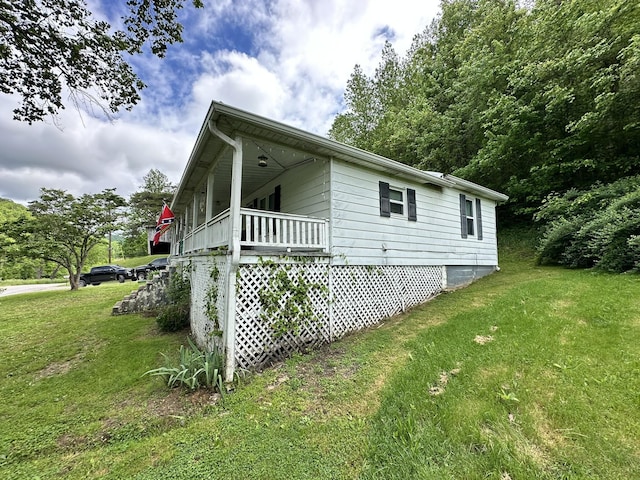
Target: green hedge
[{"x": 599, "y": 227}]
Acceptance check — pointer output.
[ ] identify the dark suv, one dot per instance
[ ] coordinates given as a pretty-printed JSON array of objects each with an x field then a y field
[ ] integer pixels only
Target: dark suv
[
  {"x": 142, "y": 272},
  {"x": 104, "y": 273}
]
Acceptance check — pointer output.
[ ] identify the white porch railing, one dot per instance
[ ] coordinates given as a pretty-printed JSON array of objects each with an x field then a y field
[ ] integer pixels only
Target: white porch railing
[
  {"x": 260, "y": 229},
  {"x": 273, "y": 229}
]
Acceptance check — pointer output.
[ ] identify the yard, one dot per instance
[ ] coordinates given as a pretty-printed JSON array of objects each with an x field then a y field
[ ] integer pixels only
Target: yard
[{"x": 531, "y": 373}]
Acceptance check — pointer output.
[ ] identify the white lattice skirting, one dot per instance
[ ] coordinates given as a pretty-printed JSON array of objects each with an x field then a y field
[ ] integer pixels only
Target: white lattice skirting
[
  {"x": 343, "y": 299},
  {"x": 208, "y": 277},
  {"x": 339, "y": 299}
]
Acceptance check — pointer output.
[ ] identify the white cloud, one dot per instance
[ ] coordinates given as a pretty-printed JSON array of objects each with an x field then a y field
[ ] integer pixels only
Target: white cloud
[{"x": 286, "y": 59}]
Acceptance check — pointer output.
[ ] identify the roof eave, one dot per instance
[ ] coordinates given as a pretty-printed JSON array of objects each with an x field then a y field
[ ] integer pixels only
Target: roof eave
[
  {"x": 341, "y": 150},
  {"x": 354, "y": 154},
  {"x": 477, "y": 189}
]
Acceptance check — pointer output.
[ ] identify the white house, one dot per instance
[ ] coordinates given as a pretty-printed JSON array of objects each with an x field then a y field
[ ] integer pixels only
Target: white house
[{"x": 292, "y": 239}]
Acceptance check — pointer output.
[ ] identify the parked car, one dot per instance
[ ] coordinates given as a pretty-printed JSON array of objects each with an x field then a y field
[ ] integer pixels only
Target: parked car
[
  {"x": 105, "y": 273},
  {"x": 142, "y": 272}
]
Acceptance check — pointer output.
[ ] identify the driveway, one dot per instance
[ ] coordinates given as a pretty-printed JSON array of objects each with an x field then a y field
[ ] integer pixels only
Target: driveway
[{"x": 39, "y": 287}]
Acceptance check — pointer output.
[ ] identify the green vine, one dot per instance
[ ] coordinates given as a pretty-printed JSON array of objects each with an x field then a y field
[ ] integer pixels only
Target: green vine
[
  {"x": 211, "y": 300},
  {"x": 285, "y": 300}
]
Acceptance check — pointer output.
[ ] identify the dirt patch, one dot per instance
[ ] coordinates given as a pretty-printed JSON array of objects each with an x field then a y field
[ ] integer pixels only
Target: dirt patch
[
  {"x": 178, "y": 403},
  {"x": 443, "y": 379},
  {"x": 60, "y": 368},
  {"x": 483, "y": 339},
  {"x": 130, "y": 420}
]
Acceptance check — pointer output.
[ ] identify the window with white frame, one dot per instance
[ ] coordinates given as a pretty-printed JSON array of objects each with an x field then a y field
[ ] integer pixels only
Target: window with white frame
[
  {"x": 397, "y": 201},
  {"x": 469, "y": 212},
  {"x": 470, "y": 217}
]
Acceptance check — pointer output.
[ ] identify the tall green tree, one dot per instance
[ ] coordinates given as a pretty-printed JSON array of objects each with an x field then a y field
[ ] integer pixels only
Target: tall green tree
[
  {"x": 144, "y": 207},
  {"x": 47, "y": 46},
  {"x": 527, "y": 100},
  {"x": 64, "y": 229},
  {"x": 12, "y": 263}
]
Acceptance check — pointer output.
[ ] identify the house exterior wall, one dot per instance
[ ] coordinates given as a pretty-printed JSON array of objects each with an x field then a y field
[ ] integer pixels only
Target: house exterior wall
[
  {"x": 359, "y": 235},
  {"x": 304, "y": 189}
]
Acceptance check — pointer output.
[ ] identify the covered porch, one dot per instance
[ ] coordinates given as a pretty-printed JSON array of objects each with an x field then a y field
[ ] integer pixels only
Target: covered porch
[
  {"x": 261, "y": 231},
  {"x": 251, "y": 191}
]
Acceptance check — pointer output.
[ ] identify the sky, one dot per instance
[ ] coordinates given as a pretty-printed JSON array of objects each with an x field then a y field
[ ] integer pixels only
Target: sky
[{"x": 288, "y": 60}]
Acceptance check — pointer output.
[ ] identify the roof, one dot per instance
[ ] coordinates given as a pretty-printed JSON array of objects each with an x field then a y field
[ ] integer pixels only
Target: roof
[{"x": 293, "y": 146}]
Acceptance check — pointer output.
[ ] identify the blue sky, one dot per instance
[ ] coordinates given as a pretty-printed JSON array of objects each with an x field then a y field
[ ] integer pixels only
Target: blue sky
[{"x": 288, "y": 60}]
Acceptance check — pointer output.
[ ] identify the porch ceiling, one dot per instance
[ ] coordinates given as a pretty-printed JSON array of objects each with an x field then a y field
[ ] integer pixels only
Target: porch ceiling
[{"x": 282, "y": 152}]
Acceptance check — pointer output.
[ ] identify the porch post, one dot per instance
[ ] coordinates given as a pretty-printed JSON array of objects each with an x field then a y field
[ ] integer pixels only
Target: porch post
[
  {"x": 208, "y": 209},
  {"x": 234, "y": 249},
  {"x": 194, "y": 215},
  {"x": 236, "y": 198}
]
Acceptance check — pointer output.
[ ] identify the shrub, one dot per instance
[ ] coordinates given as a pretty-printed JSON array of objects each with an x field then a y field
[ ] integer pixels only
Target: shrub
[
  {"x": 195, "y": 369},
  {"x": 175, "y": 316},
  {"x": 593, "y": 228}
]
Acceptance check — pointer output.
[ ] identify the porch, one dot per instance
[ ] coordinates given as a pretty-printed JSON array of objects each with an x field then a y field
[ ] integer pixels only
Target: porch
[{"x": 261, "y": 230}]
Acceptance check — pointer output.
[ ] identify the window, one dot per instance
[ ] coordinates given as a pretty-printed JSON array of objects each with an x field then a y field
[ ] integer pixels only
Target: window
[
  {"x": 470, "y": 217},
  {"x": 396, "y": 202},
  {"x": 270, "y": 202},
  {"x": 469, "y": 211},
  {"x": 392, "y": 200}
]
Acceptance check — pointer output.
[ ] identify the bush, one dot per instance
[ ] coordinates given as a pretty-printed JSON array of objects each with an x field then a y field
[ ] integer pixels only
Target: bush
[
  {"x": 195, "y": 369},
  {"x": 598, "y": 227},
  {"x": 175, "y": 316}
]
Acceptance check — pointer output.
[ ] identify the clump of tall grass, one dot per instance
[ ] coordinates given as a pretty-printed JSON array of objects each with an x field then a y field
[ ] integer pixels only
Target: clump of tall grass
[{"x": 194, "y": 369}]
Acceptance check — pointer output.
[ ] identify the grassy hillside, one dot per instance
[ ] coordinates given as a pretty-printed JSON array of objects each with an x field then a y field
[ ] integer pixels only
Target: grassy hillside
[{"x": 531, "y": 373}]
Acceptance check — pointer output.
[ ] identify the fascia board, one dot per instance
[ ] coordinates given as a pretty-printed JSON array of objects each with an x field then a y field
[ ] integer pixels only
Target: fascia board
[{"x": 477, "y": 189}]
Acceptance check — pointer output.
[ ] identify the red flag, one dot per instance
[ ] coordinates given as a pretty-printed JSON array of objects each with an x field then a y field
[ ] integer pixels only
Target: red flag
[{"x": 164, "y": 223}]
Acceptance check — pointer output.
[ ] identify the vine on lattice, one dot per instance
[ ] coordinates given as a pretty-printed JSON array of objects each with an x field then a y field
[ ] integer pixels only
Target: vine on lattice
[
  {"x": 286, "y": 299},
  {"x": 211, "y": 300}
]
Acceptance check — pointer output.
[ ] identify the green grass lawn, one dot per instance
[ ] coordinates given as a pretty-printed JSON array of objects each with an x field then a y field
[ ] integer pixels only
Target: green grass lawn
[{"x": 531, "y": 373}]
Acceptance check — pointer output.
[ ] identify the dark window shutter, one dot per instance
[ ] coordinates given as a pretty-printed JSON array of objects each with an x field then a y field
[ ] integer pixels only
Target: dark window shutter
[
  {"x": 411, "y": 201},
  {"x": 276, "y": 202},
  {"x": 478, "y": 219},
  {"x": 463, "y": 216},
  {"x": 385, "y": 206}
]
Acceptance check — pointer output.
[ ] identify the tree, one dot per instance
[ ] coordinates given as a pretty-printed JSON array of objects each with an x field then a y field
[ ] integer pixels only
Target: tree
[
  {"x": 527, "y": 100},
  {"x": 47, "y": 46},
  {"x": 64, "y": 229},
  {"x": 144, "y": 207}
]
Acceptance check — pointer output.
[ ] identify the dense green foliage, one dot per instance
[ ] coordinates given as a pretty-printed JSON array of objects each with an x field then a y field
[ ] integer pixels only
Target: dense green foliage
[
  {"x": 12, "y": 263},
  {"x": 527, "y": 99},
  {"x": 49, "y": 46},
  {"x": 175, "y": 315},
  {"x": 599, "y": 227},
  {"x": 63, "y": 229}
]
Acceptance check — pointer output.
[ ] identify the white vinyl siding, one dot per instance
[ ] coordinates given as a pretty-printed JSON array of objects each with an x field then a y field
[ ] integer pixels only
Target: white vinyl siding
[{"x": 361, "y": 236}]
